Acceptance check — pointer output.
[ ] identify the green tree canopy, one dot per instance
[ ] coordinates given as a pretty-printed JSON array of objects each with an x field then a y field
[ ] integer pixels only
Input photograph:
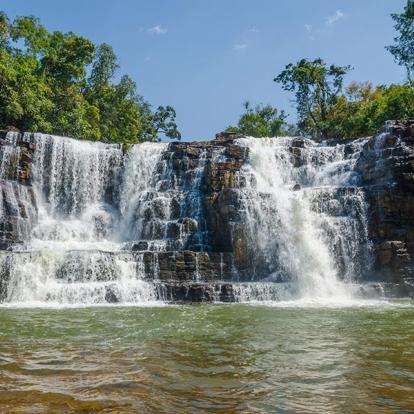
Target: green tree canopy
[
  {"x": 316, "y": 87},
  {"x": 363, "y": 109},
  {"x": 260, "y": 121},
  {"x": 44, "y": 86}
]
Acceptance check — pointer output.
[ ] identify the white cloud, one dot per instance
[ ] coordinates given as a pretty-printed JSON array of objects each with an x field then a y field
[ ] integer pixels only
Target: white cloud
[
  {"x": 157, "y": 30},
  {"x": 254, "y": 29},
  {"x": 309, "y": 29},
  {"x": 334, "y": 18},
  {"x": 240, "y": 46}
]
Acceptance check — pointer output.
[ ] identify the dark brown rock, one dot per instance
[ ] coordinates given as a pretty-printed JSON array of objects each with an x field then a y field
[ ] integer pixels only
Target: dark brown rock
[{"x": 387, "y": 169}]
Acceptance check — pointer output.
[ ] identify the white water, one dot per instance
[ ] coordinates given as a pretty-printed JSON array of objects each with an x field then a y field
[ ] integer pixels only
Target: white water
[
  {"x": 298, "y": 232},
  {"x": 74, "y": 254},
  {"x": 94, "y": 203},
  {"x": 138, "y": 181}
]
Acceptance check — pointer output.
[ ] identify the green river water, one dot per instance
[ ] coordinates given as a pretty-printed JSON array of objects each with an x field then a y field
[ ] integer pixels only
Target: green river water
[{"x": 240, "y": 358}]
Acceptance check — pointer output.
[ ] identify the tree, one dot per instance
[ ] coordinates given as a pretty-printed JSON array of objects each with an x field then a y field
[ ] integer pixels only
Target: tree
[
  {"x": 44, "y": 87},
  {"x": 33, "y": 34},
  {"x": 403, "y": 49},
  {"x": 103, "y": 69},
  {"x": 162, "y": 121},
  {"x": 316, "y": 86},
  {"x": 24, "y": 95},
  {"x": 260, "y": 121},
  {"x": 394, "y": 102},
  {"x": 348, "y": 118},
  {"x": 116, "y": 103},
  {"x": 363, "y": 109}
]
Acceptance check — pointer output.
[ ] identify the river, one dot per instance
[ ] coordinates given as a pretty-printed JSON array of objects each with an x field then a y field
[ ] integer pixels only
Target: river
[{"x": 238, "y": 358}]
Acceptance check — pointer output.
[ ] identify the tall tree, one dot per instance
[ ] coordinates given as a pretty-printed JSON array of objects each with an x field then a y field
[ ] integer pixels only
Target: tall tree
[
  {"x": 103, "y": 69},
  {"x": 316, "y": 86},
  {"x": 403, "y": 49}
]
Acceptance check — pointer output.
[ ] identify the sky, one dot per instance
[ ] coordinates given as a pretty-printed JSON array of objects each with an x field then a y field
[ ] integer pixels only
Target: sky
[{"x": 206, "y": 57}]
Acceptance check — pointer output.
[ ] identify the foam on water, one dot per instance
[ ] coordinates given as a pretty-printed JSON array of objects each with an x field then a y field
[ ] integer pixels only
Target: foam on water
[{"x": 333, "y": 303}]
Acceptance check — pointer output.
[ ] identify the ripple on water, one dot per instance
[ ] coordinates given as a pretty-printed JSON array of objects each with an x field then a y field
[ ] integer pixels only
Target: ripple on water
[{"x": 208, "y": 359}]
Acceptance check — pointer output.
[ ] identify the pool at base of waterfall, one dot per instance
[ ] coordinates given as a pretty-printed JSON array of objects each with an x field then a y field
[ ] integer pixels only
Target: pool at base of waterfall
[{"x": 292, "y": 357}]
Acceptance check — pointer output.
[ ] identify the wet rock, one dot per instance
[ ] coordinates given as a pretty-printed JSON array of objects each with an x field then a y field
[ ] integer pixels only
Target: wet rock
[
  {"x": 298, "y": 143},
  {"x": 204, "y": 254},
  {"x": 226, "y": 293},
  {"x": 110, "y": 296},
  {"x": 196, "y": 292},
  {"x": 188, "y": 292},
  {"x": 386, "y": 166},
  {"x": 141, "y": 245},
  {"x": 227, "y": 136}
]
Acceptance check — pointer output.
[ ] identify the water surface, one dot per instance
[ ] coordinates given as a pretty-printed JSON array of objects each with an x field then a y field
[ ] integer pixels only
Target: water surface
[{"x": 208, "y": 359}]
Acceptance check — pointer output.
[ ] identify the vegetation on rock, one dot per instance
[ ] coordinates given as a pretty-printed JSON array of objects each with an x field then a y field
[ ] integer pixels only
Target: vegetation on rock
[
  {"x": 260, "y": 121},
  {"x": 327, "y": 110}
]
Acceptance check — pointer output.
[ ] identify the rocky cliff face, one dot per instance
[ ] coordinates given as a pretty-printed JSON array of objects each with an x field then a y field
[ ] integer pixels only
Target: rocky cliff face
[
  {"x": 189, "y": 237},
  {"x": 387, "y": 168},
  {"x": 18, "y": 210},
  {"x": 187, "y": 232}
]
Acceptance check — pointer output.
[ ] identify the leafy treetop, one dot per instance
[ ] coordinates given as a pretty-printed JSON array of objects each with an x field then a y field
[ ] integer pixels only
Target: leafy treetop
[
  {"x": 260, "y": 121},
  {"x": 44, "y": 86},
  {"x": 403, "y": 49}
]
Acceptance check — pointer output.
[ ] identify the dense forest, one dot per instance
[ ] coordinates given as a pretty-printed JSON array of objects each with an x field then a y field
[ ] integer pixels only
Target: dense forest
[
  {"x": 325, "y": 109},
  {"x": 62, "y": 83}
]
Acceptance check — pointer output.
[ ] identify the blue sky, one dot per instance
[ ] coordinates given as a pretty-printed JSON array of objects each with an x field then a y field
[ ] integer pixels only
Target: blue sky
[{"x": 207, "y": 57}]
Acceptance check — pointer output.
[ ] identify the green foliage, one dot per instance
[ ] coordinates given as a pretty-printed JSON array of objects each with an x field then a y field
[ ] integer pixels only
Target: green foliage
[
  {"x": 158, "y": 122},
  {"x": 362, "y": 110},
  {"x": 44, "y": 87},
  {"x": 103, "y": 69},
  {"x": 260, "y": 121},
  {"x": 403, "y": 49},
  {"x": 316, "y": 86},
  {"x": 326, "y": 111},
  {"x": 395, "y": 102}
]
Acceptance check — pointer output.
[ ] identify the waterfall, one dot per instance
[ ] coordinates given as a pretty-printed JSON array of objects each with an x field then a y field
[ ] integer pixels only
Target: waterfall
[
  {"x": 159, "y": 205},
  {"x": 94, "y": 204},
  {"x": 74, "y": 277},
  {"x": 73, "y": 182},
  {"x": 100, "y": 223},
  {"x": 74, "y": 254},
  {"x": 138, "y": 190},
  {"x": 304, "y": 214}
]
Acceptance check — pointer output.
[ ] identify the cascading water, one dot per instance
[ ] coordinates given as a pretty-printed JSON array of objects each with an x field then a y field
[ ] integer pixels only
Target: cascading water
[
  {"x": 74, "y": 254},
  {"x": 100, "y": 225},
  {"x": 138, "y": 191},
  {"x": 159, "y": 206},
  {"x": 99, "y": 212},
  {"x": 304, "y": 214},
  {"x": 73, "y": 183}
]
